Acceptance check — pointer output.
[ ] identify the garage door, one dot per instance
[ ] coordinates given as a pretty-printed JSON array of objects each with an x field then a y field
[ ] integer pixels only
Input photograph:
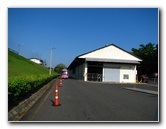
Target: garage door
[{"x": 111, "y": 74}]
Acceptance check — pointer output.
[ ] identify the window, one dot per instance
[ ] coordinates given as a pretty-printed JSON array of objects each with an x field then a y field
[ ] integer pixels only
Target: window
[
  {"x": 64, "y": 72},
  {"x": 125, "y": 76}
]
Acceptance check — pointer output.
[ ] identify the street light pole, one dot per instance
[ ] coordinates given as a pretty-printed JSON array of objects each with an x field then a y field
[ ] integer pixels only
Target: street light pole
[{"x": 51, "y": 60}]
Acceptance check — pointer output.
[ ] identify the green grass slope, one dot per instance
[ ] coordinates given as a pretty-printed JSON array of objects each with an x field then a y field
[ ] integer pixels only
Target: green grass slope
[{"x": 19, "y": 66}]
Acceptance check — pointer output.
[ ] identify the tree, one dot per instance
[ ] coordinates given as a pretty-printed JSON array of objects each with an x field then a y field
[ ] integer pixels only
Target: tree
[
  {"x": 59, "y": 67},
  {"x": 149, "y": 54}
]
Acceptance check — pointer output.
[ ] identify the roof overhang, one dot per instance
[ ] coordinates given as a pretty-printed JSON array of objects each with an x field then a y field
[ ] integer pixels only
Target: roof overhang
[
  {"x": 112, "y": 60},
  {"x": 76, "y": 62}
]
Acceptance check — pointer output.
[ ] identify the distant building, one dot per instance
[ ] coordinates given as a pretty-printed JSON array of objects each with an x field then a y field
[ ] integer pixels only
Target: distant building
[
  {"x": 37, "y": 61},
  {"x": 107, "y": 64}
]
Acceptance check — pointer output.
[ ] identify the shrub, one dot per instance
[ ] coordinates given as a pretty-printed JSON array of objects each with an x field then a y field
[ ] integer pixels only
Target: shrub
[{"x": 23, "y": 85}]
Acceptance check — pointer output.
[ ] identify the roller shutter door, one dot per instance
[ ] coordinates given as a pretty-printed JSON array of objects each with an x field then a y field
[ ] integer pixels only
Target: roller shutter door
[{"x": 111, "y": 74}]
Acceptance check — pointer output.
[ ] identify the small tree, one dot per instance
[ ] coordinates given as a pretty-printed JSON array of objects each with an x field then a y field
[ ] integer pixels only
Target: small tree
[
  {"x": 149, "y": 54},
  {"x": 59, "y": 67}
]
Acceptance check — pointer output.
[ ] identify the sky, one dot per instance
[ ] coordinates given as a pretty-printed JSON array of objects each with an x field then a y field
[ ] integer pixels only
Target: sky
[{"x": 75, "y": 31}]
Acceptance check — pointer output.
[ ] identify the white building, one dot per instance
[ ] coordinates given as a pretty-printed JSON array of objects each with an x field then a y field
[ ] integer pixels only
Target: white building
[
  {"x": 107, "y": 64},
  {"x": 36, "y": 60}
]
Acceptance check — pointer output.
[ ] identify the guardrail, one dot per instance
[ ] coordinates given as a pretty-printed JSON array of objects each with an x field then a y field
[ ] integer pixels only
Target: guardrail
[{"x": 153, "y": 81}]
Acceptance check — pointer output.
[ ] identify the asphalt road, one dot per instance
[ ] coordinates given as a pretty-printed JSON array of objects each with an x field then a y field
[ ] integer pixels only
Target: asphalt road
[{"x": 88, "y": 101}]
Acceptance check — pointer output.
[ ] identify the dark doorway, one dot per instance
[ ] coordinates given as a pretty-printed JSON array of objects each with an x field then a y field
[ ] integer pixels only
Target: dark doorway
[{"x": 95, "y": 70}]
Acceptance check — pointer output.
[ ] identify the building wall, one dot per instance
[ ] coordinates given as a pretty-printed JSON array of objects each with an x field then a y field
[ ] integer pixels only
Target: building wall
[
  {"x": 127, "y": 72},
  {"x": 78, "y": 72}
]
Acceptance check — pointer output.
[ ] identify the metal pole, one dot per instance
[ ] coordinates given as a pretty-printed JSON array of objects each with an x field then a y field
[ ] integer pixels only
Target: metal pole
[
  {"x": 50, "y": 60},
  {"x": 25, "y": 50},
  {"x": 18, "y": 48}
]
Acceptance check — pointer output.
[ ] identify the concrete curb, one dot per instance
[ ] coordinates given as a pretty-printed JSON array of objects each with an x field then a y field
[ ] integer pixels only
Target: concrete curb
[
  {"x": 142, "y": 90},
  {"x": 17, "y": 112}
]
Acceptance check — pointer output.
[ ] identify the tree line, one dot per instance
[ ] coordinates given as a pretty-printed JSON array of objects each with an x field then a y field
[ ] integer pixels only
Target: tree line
[
  {"x": 58, "y": 68},
  {"x": 149, "y": 54}
]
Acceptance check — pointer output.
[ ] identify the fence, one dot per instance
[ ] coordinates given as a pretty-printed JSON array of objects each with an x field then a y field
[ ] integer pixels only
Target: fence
[
  {"x": 153, "y": 81},
  {"x": 94, "y": 77}
]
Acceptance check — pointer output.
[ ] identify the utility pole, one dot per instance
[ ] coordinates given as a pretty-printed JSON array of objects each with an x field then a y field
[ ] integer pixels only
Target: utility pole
[
  {"x": 18, "y": 48},
  {"x": 25, "y": 50},
  {"x": 51, "y": 60},
  {"x": 19, "y": 45}
]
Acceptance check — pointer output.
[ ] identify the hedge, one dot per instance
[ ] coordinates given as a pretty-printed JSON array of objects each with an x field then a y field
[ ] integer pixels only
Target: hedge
[{"x": 23, "y": 85}]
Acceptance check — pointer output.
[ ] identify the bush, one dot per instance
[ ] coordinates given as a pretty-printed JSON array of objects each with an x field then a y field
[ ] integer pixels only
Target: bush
[{"x": 23, "y": 85}]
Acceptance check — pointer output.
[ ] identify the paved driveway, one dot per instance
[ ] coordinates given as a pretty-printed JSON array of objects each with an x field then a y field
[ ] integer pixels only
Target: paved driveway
[{"x": 87, "y": 101}]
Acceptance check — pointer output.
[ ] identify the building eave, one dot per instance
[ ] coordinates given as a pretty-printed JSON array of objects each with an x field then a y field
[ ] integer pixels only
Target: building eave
[
  {"x": 76, "y": 62},
  {"x": 112, "y": 60}
]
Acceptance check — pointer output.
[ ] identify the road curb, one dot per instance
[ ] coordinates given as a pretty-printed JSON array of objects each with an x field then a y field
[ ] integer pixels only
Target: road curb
[
  {"x": 142, "y": 90},
  {"x": 17, "y": 112}
]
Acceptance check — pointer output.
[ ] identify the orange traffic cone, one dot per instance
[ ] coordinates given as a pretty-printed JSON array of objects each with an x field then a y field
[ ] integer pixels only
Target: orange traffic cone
[
  {"x": 60, "y": 82},
  {"x": 56, "y": 101}
]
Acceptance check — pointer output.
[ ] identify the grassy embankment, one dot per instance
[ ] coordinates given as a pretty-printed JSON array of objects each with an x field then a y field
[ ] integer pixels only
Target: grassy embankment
[
  {"x": 24, "y": 78},
  {"x": 20, "y": 66}
]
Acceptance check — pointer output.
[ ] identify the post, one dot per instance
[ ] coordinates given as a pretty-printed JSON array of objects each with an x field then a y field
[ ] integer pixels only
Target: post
[
  {"x": 25, "y": 50},
  {"x": 56, "y": 101},
  {"x": 18, "y": 48},
  {"x": 19, "y": 45},
  {"x": 50, "y": 60},
  {"x": 85, "y": 71}
]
